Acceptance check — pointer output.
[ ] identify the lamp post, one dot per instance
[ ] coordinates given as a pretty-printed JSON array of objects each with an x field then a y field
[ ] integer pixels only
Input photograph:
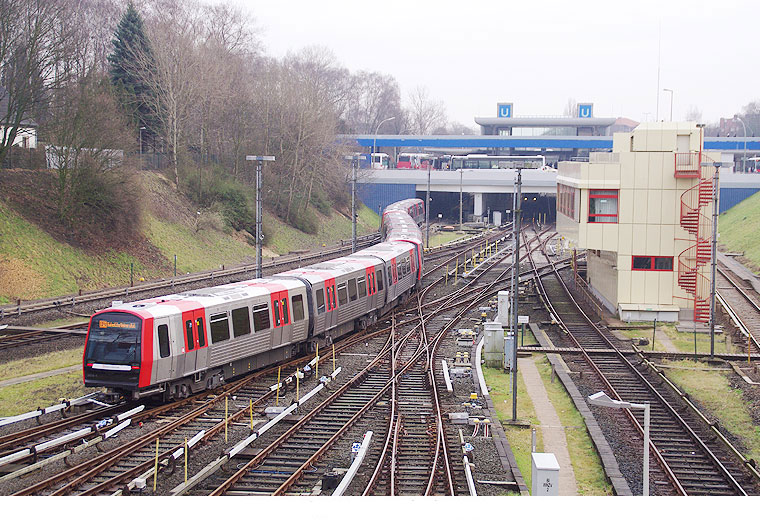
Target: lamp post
[
  {"x": 461, "y": 214},
  {"x": 602, "y": 399},
  {"x": 716, "y": 180},
  {"x": 427, "y": 211},
  {"x": 374, "y": 143},
  {"x": 744, "y": 159},
  {"x": 354, "y": 167},
  {"x": 671, "y": 102},
  {"x": 515, "y": 286},
  {"x": 259, "y": 208}
]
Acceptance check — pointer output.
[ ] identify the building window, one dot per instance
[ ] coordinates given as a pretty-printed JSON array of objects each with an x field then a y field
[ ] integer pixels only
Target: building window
[
  {"x": 602, "y": 206},
  {"x": 566, "y": 200},
  {"x": 652, "y": 263}
]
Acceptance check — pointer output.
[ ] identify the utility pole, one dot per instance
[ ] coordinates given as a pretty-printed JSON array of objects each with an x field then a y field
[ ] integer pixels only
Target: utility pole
[
  {"x": 714, "y": 259},
  {"x": 716, "y": 174},
  {"x": 460, "y": 200},
  {"x": 427, "y": 212},
  {"x": 259, "y": 208},
  {"x": 516, "y": 274},
  {"x": 353, "y": 204}
]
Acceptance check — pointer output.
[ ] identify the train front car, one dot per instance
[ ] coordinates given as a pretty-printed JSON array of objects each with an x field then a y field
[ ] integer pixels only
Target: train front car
[{"x": 118, "y": 351}]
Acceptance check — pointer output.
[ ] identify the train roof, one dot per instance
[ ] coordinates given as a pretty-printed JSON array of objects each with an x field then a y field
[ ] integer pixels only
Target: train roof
[{"x": 162, "y": 306}]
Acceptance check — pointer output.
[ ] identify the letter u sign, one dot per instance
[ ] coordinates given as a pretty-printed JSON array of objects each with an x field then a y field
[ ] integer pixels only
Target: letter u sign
[
  {"x": 504, "y": 110},
  {"x": 585, "y": 111}
]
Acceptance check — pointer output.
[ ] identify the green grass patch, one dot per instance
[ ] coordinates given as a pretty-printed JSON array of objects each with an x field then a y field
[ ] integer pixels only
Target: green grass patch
[
  {"x": 520, "y": 439},
  {"x": 683, "y": 341},
  {"x": 738, "y": 228},
  {"x": 36, "y": 265},
  {"x": 441, "y": 238},
  {"x": 41, "y": 363},
  {"x": 528, "y": 339},
  {"x": 713, "y": 391},
  {"x": 28, "y": 396},
  {"x": 589, "y": 473},
  {"x": 204, "y": 250}
]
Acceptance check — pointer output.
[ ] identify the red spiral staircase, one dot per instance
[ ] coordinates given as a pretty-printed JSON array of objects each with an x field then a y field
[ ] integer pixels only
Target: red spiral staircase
[{"x": 697, "y": 223}]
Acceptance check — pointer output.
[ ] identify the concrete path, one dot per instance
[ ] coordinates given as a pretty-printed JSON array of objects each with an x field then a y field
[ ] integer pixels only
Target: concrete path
[
  {"x": 554, "y": 433},
  {"x": 41, "y": 375},
  {"x": 662, "y": 340}
]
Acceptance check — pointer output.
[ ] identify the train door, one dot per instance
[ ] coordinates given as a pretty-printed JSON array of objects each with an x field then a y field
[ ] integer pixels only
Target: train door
[
  {"x": 371, "y": 288},
  {"x": 164, "y": 359},
  {"x": 331, "y": 304},
  {"x": 286, "y": 325},
  {"x": 276, "y": 319},
  {"x": 193, "y": 326}
]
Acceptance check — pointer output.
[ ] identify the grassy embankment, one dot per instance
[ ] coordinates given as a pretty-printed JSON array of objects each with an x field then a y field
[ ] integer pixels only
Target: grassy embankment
[
  {"x": 35, "y": 265},
  {"x": 738, "y": 228},
  {"x": 713, "y": 391},
  {"x": 587, "y": 467}
]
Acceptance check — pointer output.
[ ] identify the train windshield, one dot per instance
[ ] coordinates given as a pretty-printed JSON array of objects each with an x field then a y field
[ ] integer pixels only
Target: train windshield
[{"x": 114, "y": 338}]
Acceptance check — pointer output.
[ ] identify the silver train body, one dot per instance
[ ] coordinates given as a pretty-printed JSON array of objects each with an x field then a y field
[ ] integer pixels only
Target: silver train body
[{"x": 175, "y": 345}]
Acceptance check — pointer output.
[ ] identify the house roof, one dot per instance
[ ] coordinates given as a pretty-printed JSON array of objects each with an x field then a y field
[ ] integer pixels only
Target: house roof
[{"x": 26, "y": 122}]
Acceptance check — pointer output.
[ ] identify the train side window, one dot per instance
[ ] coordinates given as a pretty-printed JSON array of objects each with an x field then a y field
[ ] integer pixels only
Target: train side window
[
  {"x": 276, "y": 314},
  {"x": 260, "y": 317},
  {"x": 201, "y": 333},
  {"x": 352, "y": 293},
  {"x": 285, "y": 314},
  {"x": 241, "y": 322},
  {"x": 342, "y": 294},
  {"x": 297, "y": 305},
  {"x": 371, "y": 283},
  {"x": 320, "y": 301},
  {"x": 379, "y": 280},
  {"x": 220, "y": 327},
  {"x": 189, "y": 334},
  {"x": 362, "y": 284},
  {"x": 332, "y": 296},
  {"x": 163, "y": 340}
]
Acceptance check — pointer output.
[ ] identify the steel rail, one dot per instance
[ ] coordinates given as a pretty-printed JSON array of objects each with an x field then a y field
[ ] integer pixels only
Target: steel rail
[{"x": 695, "y": 438}]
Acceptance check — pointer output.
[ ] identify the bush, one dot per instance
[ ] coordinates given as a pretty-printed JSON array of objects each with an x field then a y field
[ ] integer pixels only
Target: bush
[
  {"x": 305, "y": 221},
  {"x": 213, "y": 186}
]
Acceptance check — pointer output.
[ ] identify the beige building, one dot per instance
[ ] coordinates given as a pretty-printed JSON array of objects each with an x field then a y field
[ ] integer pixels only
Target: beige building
[{"x": 643, "y": 213}]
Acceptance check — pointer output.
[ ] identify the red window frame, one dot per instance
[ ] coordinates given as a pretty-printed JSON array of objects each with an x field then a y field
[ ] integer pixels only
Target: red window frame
[
  {"x": 591, "y": 196},
  {"x": 651, "y": 264}
]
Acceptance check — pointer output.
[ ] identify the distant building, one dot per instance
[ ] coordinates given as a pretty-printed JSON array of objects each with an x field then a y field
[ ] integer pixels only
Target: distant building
[
  {"x": 643, "y": 214},
  {"x": 26, "y": 137},
  {"x": 582, "y": 123}
]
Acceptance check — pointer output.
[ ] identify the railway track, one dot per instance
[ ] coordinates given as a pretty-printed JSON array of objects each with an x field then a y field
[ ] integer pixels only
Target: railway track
[
  {"x": 742, "y": 304},
  {"x": 690, "y": 460},
  {"x": 113, "y": 470}
]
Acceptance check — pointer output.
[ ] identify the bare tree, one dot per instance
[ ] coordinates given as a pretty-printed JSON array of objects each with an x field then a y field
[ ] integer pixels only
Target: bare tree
[
  {"x": 33, "y": 44},
  {"x": 374, "y": 97},
  {"x": 86, "y": 133},
  {"x": 171, "y": 73},
  {"x": 425, "y": 113},
  {"x": 694, "y": 114},
  {"x": 571, "y": 108}
]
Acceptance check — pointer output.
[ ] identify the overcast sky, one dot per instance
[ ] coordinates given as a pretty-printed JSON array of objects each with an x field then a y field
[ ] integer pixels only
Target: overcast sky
[{"x": 537, "y": 53}]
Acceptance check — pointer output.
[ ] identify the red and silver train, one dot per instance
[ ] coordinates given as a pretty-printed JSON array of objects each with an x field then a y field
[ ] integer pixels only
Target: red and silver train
[{"x": 175, "y": 345}]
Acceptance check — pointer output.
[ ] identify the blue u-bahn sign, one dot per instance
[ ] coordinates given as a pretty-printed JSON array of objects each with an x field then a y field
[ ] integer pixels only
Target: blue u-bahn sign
[
  {"x": 504, "y": 110},
  {"x": 585, "y": 110}
]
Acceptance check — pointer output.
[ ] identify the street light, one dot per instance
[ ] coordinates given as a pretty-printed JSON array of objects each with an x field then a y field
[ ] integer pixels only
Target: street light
[
  {"x": 354, "y": 166},
  {"x": 602, "y": 399},
  {"x": 374, "y": 143},
  {"x": 259, "y": 208},
  {"x": 744, "y": 160},
  {"x": 717, "y": 165},
  {"x": 671, "y": 102}
]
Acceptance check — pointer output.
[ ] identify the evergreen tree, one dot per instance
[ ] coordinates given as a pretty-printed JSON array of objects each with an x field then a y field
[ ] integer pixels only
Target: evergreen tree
[{"x": 129, "y": 42}]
